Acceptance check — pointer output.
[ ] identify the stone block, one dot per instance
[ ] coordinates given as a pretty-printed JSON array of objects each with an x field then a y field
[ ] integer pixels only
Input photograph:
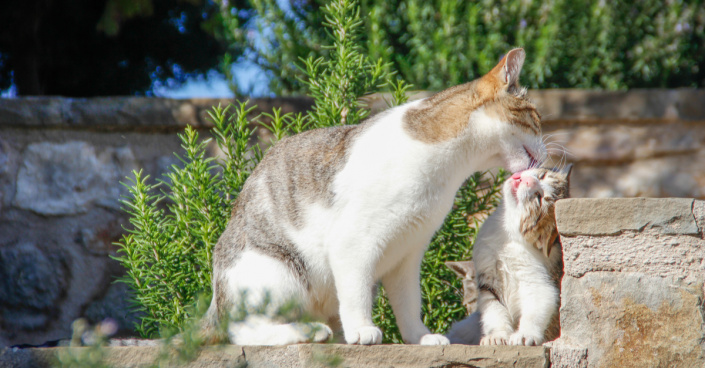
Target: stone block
[
  {"x": 66, "y": 178},
  {"x": 699, "y": 214},
  {"x": 634, "y": 320},
  {"x": 681, "y": 257},
  {"x": 32, "y": 283},
  {"x": 595, "y": 217}
]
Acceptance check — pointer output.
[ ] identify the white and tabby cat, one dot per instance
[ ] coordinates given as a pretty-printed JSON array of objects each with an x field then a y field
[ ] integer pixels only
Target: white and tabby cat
[
  {"x": 330, "y": 212},
  {"x": 518, "y": 263}
]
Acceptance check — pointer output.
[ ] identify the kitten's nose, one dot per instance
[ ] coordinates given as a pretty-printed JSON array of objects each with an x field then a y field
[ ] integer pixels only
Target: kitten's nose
[{"x": 530, "y": 181}]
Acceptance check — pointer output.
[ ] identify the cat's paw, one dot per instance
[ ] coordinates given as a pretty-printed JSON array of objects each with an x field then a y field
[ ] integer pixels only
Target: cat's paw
[
  {"x": 434, "y": 339},
  {"x": 494, "y": 339},
  {"x": 519, "y": 338},
  {"x": 368, "y": 335},
  {"x": 320, "y": 332}
]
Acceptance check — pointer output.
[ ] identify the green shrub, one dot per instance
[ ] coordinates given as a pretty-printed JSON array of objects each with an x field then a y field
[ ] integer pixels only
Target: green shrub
[
  {"x": 440, "y": 43},
  {"x": 177, "y": 221}
]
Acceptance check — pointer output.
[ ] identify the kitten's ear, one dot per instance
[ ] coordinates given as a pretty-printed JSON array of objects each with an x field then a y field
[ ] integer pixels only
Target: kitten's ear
[
  {"x": 506, "y": 73},
  {"x": 462, "y": 268},
  {"x": 567, "y": 170}
]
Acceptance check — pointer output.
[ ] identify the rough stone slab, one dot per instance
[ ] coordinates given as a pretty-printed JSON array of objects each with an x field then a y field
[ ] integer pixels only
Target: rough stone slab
[
  {"x": 635, "y": 320},
  {"x": 66, "y": 178},
  {"x": 699, "y": 214},
  {"x": 567, "y": 356},
  {"x": 674, "y": 175},
  {"x": 126, "y": 113},
  {"x": 308, "y": 355},
  {"x": 678, "y": 256},
  {"x": 592, "y": 216}
]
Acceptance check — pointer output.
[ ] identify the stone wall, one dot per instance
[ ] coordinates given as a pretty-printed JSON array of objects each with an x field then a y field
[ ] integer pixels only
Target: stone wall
[
  {"x": 61, "y": 161},
  {"x": 633, "y": 293}
]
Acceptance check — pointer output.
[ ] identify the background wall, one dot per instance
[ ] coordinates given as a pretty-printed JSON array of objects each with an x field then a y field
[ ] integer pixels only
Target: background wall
[{"x": 61, "y": 161}]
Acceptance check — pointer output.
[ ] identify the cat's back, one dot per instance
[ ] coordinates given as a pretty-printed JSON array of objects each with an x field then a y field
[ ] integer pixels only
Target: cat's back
[{"x": 298, "y": 170}]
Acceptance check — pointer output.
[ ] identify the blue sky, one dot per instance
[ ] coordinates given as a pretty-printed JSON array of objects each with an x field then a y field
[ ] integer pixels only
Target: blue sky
[{"x": 249, "y": 76}]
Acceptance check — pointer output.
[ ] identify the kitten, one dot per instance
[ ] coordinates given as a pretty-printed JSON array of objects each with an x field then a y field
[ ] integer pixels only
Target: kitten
[
  {"x": 330, "y": 212},
  {"x": 519, "y": 265}
]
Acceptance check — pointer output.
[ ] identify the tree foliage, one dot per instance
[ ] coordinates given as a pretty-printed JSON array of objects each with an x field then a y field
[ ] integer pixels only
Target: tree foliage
[
  {"x": 440, "y": 43},
  {"x": 109, "y": 47}
]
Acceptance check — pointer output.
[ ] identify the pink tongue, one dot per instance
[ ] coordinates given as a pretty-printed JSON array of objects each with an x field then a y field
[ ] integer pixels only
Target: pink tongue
[{"x": 516, "y": 175}]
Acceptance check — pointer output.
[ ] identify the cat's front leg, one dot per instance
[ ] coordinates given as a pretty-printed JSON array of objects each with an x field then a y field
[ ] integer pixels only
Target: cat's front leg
[
  {"x": 403, "y": 287},
  {"x": 496, "y": 321},
  {"x": 353, "y": 271},
  {"x": 539, "y": 301}
]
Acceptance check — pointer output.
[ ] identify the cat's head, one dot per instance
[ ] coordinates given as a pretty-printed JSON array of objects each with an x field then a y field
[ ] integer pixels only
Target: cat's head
[
  {"x": 529, "y": 204},
  {"x": 510, "y": 113},
  {"x": 491, "y": 115}
]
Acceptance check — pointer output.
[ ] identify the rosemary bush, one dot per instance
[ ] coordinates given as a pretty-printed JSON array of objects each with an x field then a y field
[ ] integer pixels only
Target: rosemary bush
[{"x": 176, "y": 221}]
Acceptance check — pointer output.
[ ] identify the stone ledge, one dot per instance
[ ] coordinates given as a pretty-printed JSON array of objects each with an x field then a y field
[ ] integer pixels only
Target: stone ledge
[
  {"x": 126, "y": 113},
  {"x": 611, "y": 216},
  {"x": 558, "y": 107},
  {"x": 310, "y": 355}
]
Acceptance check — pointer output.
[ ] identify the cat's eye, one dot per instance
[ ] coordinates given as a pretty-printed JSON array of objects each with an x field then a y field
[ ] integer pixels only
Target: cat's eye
[
  {"x": 543, "y": 175},
  {"x": 538, "y": 196}
]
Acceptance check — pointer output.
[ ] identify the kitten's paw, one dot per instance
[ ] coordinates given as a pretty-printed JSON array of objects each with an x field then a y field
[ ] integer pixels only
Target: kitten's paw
[
  {"x": 368, "y": 335},
  {"x": 519, "y": 338},
  {"x": 320, "y": 332},
  {"x": 494, "y": 339},
  {"x": 434, "y": 339}
]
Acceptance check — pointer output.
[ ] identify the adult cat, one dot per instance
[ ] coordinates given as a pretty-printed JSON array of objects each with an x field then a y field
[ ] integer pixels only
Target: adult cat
[{"x": 330, "y": 212}]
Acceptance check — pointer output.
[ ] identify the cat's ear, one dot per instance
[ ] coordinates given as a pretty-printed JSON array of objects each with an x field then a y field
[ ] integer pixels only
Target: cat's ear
[
  {"x": 462, "y": 268},
  {"x": 506, "y": 73}
]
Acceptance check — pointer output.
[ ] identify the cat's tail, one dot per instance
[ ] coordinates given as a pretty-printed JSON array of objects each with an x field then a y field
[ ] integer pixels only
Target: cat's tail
[
  {"x": 467, "y": 331},
  {"x": 211, "y": 332}
]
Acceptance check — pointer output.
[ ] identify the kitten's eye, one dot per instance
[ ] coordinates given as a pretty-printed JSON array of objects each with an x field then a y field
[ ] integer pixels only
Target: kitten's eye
[
  {"x": 543, "y": 175},
  {"x": 538, "y": 196}
]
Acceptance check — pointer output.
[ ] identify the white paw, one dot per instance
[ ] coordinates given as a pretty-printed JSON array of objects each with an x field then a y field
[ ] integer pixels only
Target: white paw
[
  {"x": 368, "y": 335},
  {"x": 320, "y": 332},
  {"x": 519, "y": 338},
  {"x": 494, "y": 339},
  {"x": 434, "y": 339}
]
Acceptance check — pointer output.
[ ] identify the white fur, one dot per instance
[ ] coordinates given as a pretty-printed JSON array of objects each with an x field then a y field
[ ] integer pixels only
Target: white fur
[
  {"x": 516, "y": 270},
  {"x": 391, "y": 196}
]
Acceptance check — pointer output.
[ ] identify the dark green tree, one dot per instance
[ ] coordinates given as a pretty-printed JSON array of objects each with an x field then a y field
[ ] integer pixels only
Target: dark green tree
[{"x": 109, "y": 47}]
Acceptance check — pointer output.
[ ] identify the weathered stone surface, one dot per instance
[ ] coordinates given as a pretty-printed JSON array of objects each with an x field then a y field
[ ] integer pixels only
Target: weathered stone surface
[
  {"x": 583, "y": 216},
  {"x": 115, "y": 305},
  {"x": 680, "y": 257},
  {"x": 66, "y": 178},
  {"x": 633, "y": 320},
  {"x": 699, "y": 214},
  {"x": 31, "y": 284},
  {"x": 306, "y": 355},
  {"x": 679, "y": 175},
  {"x": 126, "y": 113},
  {"x": 567, "y": 356}
]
